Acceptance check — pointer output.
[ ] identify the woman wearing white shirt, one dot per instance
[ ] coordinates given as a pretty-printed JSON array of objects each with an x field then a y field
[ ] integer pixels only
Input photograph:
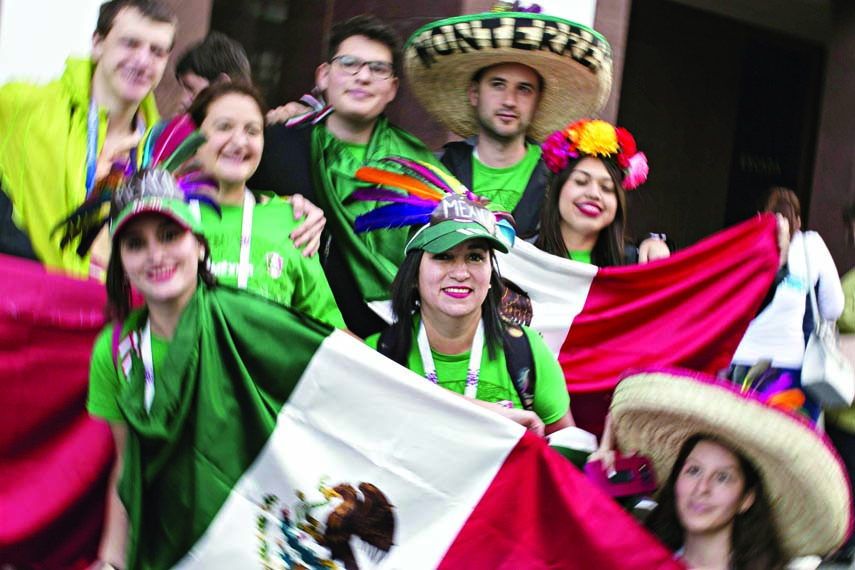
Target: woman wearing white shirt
[{"x": 776, "y": 333}]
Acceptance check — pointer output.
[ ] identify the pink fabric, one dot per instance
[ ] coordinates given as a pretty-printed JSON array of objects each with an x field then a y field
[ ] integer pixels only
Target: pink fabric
[
  {"x": 690, "y": 310},
  {"x": 55, "y": 458},
  {"x": 542, "y": 512}
]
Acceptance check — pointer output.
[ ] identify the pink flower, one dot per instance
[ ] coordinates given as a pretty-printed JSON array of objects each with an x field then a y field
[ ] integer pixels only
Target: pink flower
[
  {"x": 637, "y": 171},
  {"x": 556, "y": 151}
]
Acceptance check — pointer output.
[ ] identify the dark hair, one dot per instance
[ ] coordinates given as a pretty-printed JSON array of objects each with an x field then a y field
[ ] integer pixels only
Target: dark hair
[
  {"x": 406, "y": 301},
  {"x": 215, "y": 55},
  {"x": 151, "y": 9},
  {"x": 785, "y": 202},
  {"x": 755, "y": 544},
  {"x": 479, "y": 75},
  {"x": 199, "y": 108},
  {"x": 608, "y": 249},
  {"x": 370, "y": 27},
  {"x": 119, "y": 294}
]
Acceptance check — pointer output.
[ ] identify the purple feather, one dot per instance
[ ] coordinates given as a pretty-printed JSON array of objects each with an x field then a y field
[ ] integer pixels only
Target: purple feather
[
  {"x": 383, "y": 195},
  {"x": 419, "y": 171},
  {"x": 393, "y": 216},
  {"x": 203, "y": 198},
  {"x": 172, "y": 136}
]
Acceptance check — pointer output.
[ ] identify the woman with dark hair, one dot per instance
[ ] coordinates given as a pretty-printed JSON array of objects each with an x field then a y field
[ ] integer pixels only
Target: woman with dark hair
[
  {"x": 593, "y": 163},
  {"x": 776, "y": 335},
  {"x": 714, "y": 511},
  {"x": 446, "y": 298},
  {"x": 251, "y": 238},
  {"x": 738, "y": 475},
  {"x": 194, "y": 360}
]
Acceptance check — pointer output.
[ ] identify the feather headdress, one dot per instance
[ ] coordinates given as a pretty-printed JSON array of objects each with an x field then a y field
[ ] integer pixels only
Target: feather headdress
[
  {"x": 420, "y": 193},
  {"x": 167, "y": 146}
]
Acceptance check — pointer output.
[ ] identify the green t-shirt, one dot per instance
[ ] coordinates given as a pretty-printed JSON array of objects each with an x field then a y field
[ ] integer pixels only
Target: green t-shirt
[
  {"x": 582, "y": 256},
  {"x": 107, "y": 379},
  {"x": 551, "y": 400},
  {"x": 504, "y": 186},
  {"x": 278, "y": 270},
  {"x": 359, "y": 151}
]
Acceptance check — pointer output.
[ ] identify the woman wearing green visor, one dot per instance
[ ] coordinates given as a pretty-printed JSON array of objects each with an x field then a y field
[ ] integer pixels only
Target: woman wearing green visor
[
  {"x": 196, "y": 366},
  {"x": 446, "y": 298}
]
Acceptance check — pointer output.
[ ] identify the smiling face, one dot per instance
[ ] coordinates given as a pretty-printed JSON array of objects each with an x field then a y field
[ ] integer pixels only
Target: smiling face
[
  {"x": 131, "y": 58},
  {"x": 234, "y": 129},
  {"x": 359, "y": 98},
  {"x": 160, "y": 259},
  {"x": 588, "y": 202},
  {"x": 505, "y": 100},
  {"x": 710, "y": 489},
  {"x": 456, "y": 282}
]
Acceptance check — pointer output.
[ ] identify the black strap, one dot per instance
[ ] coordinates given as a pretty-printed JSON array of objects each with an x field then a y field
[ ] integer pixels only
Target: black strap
[
  {"x": 518, "y": 358},
  {"x": 520, "y": 363}
]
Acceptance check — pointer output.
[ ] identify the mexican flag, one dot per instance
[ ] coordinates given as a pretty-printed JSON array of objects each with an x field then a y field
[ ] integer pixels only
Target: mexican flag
[
  {"x": 689, "y": 310},
  {"x": 274, "y": 442}
]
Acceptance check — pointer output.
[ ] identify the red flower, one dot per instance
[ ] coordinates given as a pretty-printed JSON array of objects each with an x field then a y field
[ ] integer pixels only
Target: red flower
[{"x": 627, "y": 146}]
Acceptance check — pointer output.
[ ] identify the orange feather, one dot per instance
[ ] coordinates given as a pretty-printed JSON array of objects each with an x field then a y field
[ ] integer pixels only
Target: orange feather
[{"x": 401, "y": 181}]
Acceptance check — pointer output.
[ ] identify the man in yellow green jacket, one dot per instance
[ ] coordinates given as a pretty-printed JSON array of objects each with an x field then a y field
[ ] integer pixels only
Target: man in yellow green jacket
[{"x": 58, "y": 139}]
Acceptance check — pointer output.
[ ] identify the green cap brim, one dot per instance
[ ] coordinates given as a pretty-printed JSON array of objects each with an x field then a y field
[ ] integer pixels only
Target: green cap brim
[
  {"x": 445, "y": 235},
  {"x": 177, "y": 210}
]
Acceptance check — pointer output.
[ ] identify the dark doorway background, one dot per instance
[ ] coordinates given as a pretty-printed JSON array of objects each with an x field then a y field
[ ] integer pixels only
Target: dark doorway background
[{"x": 723, "y": 110}]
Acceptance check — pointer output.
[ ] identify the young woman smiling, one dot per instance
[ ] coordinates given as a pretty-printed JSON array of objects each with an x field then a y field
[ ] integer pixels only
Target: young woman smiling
[
  {"x": 593, "y": 163},
  {"x": 446, "y": 298},
  {"x": 737, "y": 471},
  {"x": 252, "y": 241}
]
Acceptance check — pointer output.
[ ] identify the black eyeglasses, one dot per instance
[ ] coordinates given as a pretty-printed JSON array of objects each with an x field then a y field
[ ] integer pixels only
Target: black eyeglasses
[{"x": 352, "y": 64}]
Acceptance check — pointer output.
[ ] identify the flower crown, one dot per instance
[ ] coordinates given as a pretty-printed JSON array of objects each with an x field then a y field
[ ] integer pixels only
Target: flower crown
[{"x": 600, "y": 139}]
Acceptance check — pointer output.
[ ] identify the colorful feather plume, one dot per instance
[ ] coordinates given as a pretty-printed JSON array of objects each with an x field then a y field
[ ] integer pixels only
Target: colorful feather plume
[
  {"x": 87, "y": 220},
  {"x": 414, "y": 189},
  {"x": 167, "y": 146}
]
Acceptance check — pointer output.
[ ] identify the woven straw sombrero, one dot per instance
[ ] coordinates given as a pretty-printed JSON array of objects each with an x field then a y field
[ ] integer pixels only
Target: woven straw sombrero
[
  {"x": 575, "y": 62},
  {"x": 655, "y": 412}
]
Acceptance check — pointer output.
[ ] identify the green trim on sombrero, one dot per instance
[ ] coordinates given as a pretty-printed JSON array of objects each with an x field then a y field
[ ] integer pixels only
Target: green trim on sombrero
[{"x": 574, "y": 61}]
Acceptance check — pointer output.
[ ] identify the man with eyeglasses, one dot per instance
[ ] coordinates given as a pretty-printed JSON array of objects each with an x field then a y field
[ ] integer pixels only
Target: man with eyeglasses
[{"x": 320, "y": 157}]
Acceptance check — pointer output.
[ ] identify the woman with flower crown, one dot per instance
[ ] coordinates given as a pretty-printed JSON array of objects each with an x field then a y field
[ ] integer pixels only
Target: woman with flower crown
[{"x": 593, "y": 164}]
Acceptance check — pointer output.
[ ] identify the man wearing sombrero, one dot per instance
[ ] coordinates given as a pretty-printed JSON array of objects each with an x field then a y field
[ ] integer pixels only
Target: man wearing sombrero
[{"x": 504, "y": 81}]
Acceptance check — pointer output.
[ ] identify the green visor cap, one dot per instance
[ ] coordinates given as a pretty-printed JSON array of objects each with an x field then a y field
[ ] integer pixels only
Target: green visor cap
[
  {"x": 174, "y": 208},
  {"x": 440, "y": 237}
]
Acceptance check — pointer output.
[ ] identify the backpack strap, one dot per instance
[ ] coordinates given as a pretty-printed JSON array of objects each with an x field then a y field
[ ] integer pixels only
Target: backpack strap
[
  {"x": 520, "y": 361},
  {"x": 386, "y": 345}
]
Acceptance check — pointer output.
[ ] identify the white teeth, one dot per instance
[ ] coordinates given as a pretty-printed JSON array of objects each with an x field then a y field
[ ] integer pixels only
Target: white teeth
[{"x": 457, "y": 289}]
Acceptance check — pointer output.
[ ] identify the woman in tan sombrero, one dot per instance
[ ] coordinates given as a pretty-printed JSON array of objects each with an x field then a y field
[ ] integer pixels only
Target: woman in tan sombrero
[{"x": 745, "y": 485}]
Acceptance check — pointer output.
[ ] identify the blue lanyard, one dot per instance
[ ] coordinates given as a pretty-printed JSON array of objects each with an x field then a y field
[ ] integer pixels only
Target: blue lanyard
[{"x": 91, "y": 146}]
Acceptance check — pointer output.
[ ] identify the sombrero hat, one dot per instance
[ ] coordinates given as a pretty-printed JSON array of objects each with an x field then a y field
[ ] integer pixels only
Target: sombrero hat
[
  {"x": 655, "y": 412},
  {"x": 574, "y": 61}
]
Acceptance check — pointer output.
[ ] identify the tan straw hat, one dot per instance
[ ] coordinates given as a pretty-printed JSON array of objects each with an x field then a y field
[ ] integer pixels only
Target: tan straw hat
[
  {"x": 574, "y": 61},
  {"x": 656, "y": 411}
]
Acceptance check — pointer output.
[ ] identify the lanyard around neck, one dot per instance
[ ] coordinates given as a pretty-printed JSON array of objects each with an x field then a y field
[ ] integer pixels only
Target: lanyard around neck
[
  {"x": 92, "y": 133},
  {"x": 245, "y": 240},
  {"x": 148, "y": 364},
  {"x": 472, "y": 371}
]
